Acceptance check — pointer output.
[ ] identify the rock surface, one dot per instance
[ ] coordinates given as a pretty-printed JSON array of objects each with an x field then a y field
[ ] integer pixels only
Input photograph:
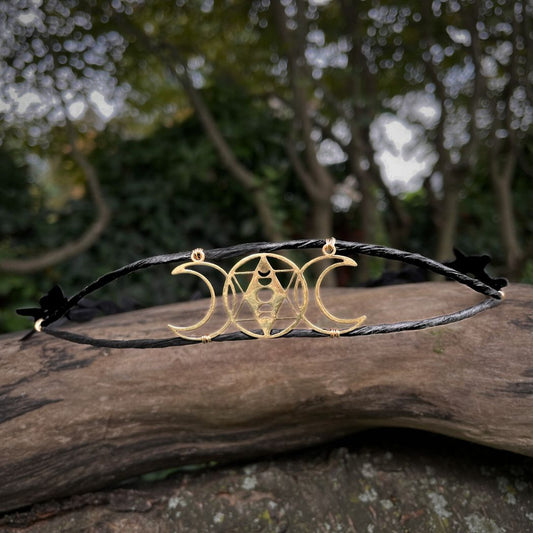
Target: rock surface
[{"x": 391, "y": 481}]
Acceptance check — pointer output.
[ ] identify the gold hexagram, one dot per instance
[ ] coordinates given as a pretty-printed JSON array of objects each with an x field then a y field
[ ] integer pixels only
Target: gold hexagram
[{"x": 266, "y": 290}]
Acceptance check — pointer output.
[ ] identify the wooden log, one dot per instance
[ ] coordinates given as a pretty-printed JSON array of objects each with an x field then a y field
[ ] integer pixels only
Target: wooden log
[{"x": 76, "y": 418}]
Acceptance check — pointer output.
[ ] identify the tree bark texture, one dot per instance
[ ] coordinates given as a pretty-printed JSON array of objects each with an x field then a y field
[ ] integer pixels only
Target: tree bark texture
[
  {"x": 315, "y": 177},
  {"x": 448, "y": 220},
  {"x": 502, "y": 179},
  {"x": 242, "y": 174},
  {"x": 75, "y": 418}
]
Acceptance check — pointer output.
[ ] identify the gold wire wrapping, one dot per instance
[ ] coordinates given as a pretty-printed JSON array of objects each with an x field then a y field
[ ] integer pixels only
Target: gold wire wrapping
[{"x": 266, "y": 295}]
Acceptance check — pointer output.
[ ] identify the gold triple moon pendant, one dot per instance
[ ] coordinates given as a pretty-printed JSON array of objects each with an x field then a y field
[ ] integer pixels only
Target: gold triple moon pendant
[{"x": 265, "y": 295}]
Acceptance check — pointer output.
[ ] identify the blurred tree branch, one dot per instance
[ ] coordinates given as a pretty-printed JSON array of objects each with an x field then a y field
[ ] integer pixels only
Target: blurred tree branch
[
  {"x": 503, "y": 158},
  {"x": 171, "y": 56},
  {"x": 450, "y": 78},
  {"x": 317, "y": 180},
  {"x": 243, "y": 175},
  {"x": 87, "y": 239}
]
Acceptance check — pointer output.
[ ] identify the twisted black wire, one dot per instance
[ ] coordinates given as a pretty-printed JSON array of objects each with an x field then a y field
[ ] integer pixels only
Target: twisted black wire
[
  {"x": 240, "y": 336},
  {"x": 218, "y": 254}
]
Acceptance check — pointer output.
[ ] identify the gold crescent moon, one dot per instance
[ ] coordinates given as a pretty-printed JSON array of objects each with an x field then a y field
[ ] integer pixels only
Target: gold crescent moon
[
  {"x": 179, "y": 330},
  {"x": 354, "y": 322}
]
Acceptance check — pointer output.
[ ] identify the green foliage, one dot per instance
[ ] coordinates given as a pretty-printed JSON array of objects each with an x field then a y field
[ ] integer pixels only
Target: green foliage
[
  {"x": 167, "y": 187},
  {"x": 479, "y": 224},
  {"x": 15, "y": 197},
  {"x": 172, "y": 187},
  {"x": 164, "y": 474},
  {"x": 479, "y": 219},
  {"x": 17, "y": 208},
  {"x": 168, "y": 192},
  {"x": 422, "y": 235},
  {"x": 527, "y": 274}
]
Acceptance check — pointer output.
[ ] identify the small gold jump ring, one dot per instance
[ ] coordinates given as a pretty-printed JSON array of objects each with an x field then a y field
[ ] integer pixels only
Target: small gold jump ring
[
  {"x": 329, "y": 247},
  {"x": 198, "y": 255}
]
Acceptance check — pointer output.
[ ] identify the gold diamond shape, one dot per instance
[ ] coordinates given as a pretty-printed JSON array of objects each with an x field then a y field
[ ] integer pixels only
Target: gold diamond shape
[{"x": 264, "y": 295}]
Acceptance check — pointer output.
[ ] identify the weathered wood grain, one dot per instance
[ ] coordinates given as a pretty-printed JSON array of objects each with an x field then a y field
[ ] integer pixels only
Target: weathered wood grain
[{"x": 75, "y": 418}]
